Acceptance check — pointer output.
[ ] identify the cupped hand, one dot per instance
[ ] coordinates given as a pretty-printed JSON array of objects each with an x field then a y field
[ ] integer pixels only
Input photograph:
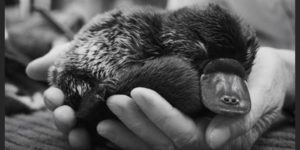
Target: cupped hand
[
  {"x": 149, "y": 122},
  {"x": 54, "y": 98},
  {"x": 270, "y": 82}
]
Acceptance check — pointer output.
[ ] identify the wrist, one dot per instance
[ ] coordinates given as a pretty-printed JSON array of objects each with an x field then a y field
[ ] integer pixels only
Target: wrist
[
  {"x": 289, "y": 63},
  {"x": 280, "y": 72},
  {"x": 287, "y": 57}
]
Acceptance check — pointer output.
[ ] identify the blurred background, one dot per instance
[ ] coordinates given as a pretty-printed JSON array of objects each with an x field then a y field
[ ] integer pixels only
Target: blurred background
[{"x": 33, "y": 27}]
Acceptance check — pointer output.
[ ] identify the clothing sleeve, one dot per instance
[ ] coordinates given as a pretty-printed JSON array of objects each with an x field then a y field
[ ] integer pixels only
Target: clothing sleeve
[{"x": 273, "y": 20}]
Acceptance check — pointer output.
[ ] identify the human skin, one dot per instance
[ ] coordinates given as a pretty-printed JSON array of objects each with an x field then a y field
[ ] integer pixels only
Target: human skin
[{"x": 148, "y": 121}]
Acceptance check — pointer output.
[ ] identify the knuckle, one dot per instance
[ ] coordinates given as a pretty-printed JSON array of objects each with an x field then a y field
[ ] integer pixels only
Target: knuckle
[
  {"x": 162, "y": 119},
  {"x": 165, "y": 119},
  {"x": 138, "y": 127}
]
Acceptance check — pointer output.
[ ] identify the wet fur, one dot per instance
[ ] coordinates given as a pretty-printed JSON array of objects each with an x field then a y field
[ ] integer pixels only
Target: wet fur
[{"x": 148, "y": 47}]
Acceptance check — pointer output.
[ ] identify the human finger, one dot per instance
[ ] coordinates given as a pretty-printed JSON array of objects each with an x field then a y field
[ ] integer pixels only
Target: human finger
[
  {"x": 182, "y": 130},
  {"x": 121, "y": 136},
  {"x": 134, "y": 119},
  {"x": 53, "y": 98},
  {"x": 38, "y": 68},
  {"x": 79, "y": 139},
  {"x": 64, "y": 117},
  {"x": 266, "y": 93}
]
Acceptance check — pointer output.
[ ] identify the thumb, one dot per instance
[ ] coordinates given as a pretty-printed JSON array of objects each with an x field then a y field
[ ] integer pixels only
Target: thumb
[
  {"x": 266, "y": 93},
  {"x": 38, "y": 68}
]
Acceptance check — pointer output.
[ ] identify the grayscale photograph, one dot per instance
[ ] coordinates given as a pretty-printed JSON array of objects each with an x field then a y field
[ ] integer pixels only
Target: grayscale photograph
[{"x": 149, "y": 75}]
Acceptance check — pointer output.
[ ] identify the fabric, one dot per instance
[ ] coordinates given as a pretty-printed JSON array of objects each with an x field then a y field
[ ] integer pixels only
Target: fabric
[
  {"x": 281, "y": 138},
  {"x": 273, "y": 20},
  {"x": 37, "y": 131}
]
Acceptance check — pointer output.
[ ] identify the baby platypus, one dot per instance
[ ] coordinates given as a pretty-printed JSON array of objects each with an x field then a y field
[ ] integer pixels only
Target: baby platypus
[{"x": 196, "y": 58}]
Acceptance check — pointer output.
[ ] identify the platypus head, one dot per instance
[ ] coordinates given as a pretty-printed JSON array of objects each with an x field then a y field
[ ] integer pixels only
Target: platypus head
[{"x": 224, "y": 89}]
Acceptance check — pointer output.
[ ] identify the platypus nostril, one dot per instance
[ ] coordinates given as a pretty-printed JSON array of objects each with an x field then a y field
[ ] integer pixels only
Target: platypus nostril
[{"x": 230, "y": 100}]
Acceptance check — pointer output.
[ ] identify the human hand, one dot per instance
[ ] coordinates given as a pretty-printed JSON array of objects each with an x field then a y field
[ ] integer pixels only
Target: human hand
[
  {"x": 149, "y": 122},
  {"x": 64, "y": 115},
  {"x": 270, "y": 82},
  {"x": 261, "y": 82}
]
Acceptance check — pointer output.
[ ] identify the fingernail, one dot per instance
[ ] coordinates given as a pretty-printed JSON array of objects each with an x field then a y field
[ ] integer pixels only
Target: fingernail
[
  {"x": 137, "y": 92},
  {"x": 64, "y": 117},
  {"x": 117, "y": 104},
  {"x": 53, "y": 98},
  {"x": 103, "y": 130},
  {"x": 114, "y": 107},
  {"x": 51, "y": 106},
  {"x": 218, "y": 137}
]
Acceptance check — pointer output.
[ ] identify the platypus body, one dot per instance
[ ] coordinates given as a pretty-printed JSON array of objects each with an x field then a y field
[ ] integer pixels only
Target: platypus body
[{"x": 198, "y": 59}]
